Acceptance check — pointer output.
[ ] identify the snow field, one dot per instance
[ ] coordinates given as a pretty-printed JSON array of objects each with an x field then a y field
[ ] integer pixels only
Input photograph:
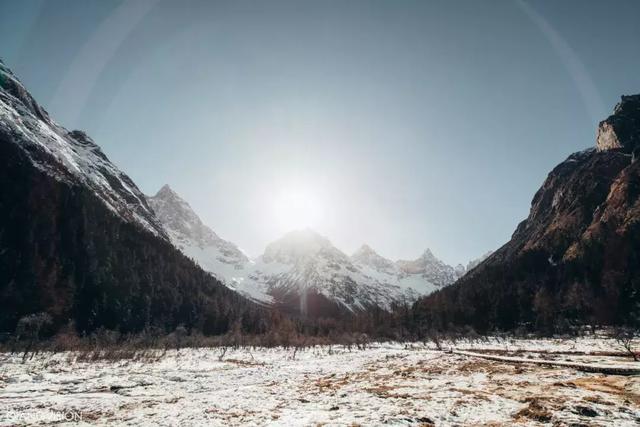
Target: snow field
[{"x": 396, "y": 384}]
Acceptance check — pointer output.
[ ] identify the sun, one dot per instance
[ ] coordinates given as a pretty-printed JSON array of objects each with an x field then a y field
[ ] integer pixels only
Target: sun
[{"x": 297, "y": 209}]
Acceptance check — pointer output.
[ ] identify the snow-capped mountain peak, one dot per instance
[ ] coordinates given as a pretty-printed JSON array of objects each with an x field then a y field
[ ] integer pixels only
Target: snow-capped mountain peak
[
  {"x": 303, "y": 263},
  {"x": 189, "y": 234},
  {"x": 431, "y": 268},
  {"x": 167, "y": 193},
  {"x": 179, "y": 219},
  {"x": 365, "y": 255},
  {"x": 427, "y": 255}
]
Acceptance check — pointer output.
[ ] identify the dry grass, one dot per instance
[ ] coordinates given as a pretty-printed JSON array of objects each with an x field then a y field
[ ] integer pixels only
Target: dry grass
[{"x": 612, "y": 385}]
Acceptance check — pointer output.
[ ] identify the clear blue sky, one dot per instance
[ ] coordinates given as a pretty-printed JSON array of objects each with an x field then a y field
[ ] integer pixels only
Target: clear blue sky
[{"x": 411, "y": 124}]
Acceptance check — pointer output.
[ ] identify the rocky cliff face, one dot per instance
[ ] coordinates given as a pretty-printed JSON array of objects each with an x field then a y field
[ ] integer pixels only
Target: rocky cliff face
[{"x": 576, "y": 258}]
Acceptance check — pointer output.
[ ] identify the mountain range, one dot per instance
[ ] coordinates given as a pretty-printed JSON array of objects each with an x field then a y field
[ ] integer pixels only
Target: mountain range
[
  {"x": 300, "y": 264},
  {"x": 80, "y": 242}
]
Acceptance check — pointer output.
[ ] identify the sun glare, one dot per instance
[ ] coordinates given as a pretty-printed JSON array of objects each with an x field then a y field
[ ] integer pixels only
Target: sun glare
[{"x": 296, "y": 209}]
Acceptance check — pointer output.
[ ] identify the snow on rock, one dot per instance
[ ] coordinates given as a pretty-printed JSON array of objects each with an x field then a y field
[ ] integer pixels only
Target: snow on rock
[
  {"x": 190, "y": 235},
  {"x": 71, "y": 157}
]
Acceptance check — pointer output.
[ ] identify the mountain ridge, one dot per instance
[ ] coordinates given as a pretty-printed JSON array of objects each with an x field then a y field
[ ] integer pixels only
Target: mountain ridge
[
  {"x": 77, "y": 157},
  {"x": 302, "y": 261},
  {"x": 80, "y": 244}
]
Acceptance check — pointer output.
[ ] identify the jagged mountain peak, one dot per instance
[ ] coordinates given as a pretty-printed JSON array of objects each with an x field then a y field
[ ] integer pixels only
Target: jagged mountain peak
[
  {"x": 189, "y": 234},
  {"x": 365, "y": 255},
  {"x": 299, "y": 262},
  {"x": 179, "y": 219},
  {"x": 166, "y": 192},
  {"x": 177, "y": 215},
  {"x": 431, "y": 268},
  {"x": 304, "y": 261},
  {"x": 365, "y": 252},
  {"x": 428, "y": 255}
]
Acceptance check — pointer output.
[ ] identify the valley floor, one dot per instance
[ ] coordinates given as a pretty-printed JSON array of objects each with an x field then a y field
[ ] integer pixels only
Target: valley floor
[{"x": 395, "y": 384}]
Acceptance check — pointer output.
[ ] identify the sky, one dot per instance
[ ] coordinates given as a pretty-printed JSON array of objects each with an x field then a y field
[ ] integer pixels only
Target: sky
[{"x": 405, "y": 125}]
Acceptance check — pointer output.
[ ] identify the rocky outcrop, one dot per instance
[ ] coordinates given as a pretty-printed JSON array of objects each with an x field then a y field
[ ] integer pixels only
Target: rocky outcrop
[{"x": 621, "y": 130}]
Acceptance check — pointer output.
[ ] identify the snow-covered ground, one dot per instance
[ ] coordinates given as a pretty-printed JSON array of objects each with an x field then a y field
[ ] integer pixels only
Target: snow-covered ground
[{"x": 395, "y": 384}]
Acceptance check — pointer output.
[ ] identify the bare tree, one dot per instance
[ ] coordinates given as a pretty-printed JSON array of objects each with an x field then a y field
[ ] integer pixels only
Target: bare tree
[{"x": 625, "y": 336}]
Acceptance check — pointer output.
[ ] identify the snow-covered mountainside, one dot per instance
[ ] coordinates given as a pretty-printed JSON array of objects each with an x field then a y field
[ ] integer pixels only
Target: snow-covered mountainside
[
  {"x": 300, "y": 264},
  {"x": 189, "y": 234},
  {"x": 77, "y": 159},
  {"x": 303, "y": 261},
  {"x": 193, "y": 238}
]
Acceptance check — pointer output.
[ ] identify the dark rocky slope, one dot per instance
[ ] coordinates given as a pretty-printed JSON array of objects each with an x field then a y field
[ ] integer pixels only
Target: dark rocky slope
[{"x": 575, "y": 259}]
